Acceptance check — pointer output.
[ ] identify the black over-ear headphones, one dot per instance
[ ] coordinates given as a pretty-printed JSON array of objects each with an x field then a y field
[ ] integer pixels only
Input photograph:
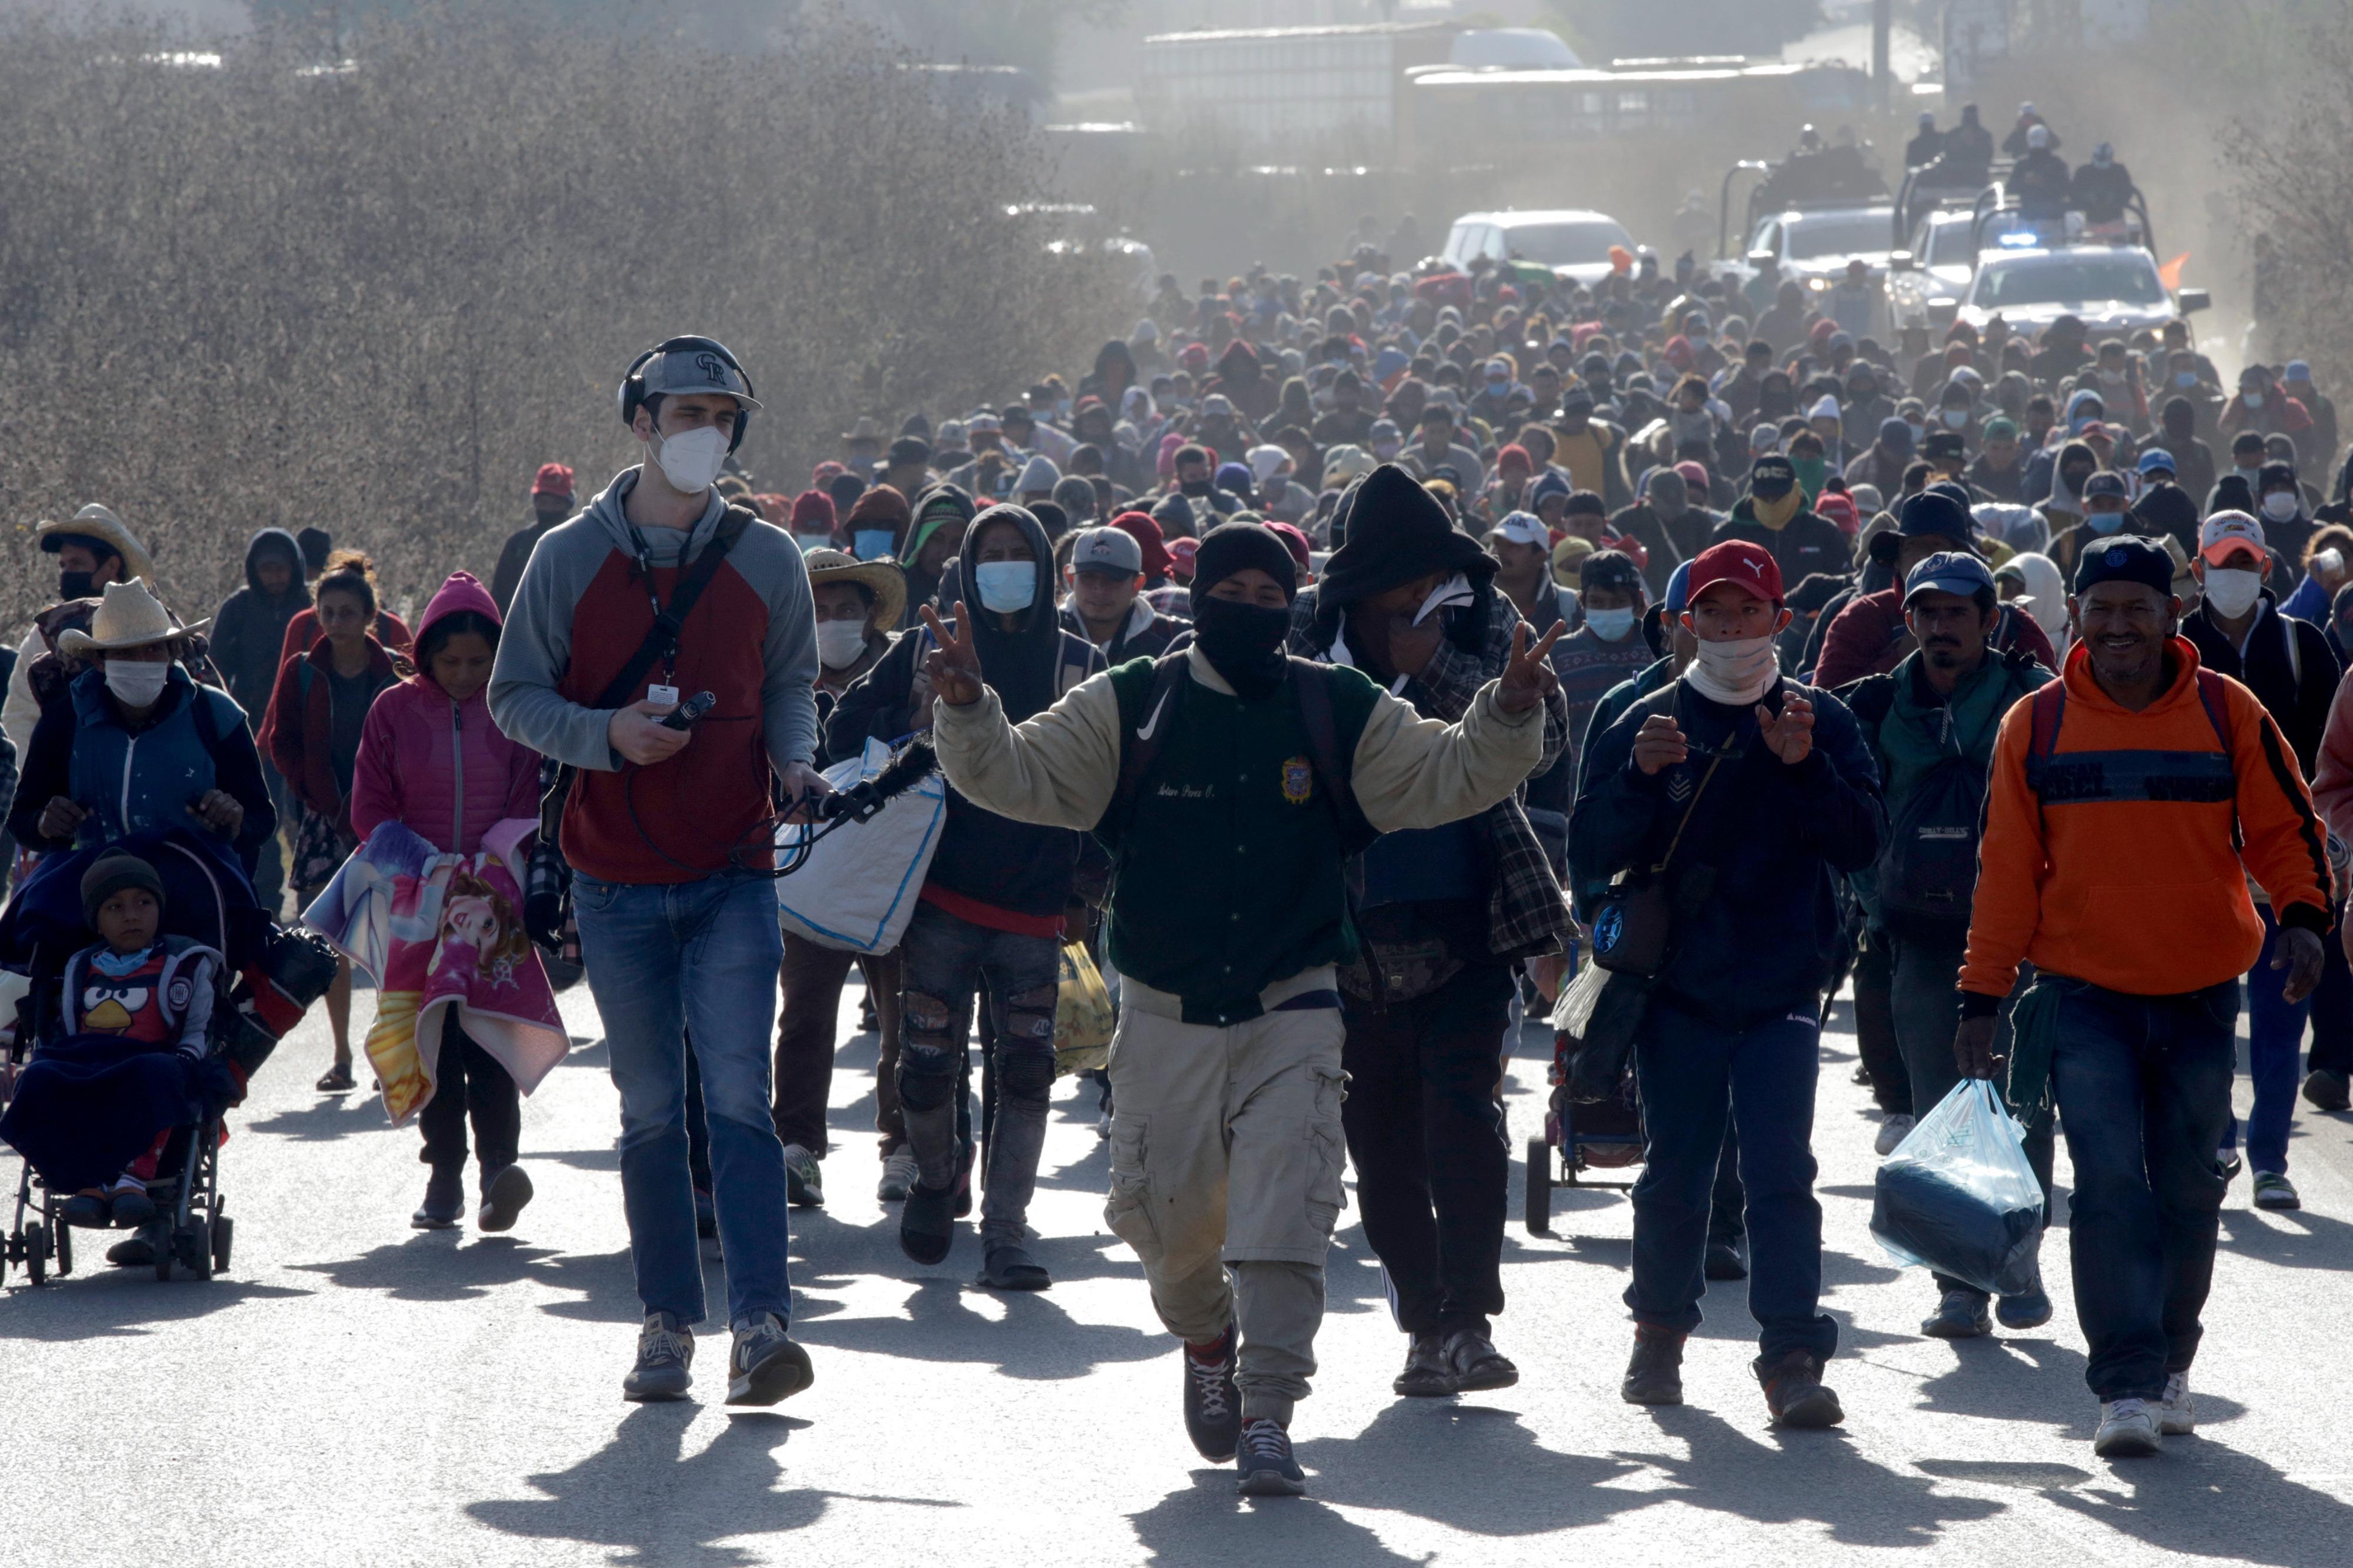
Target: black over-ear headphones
[{"x": 632, "y": 395}]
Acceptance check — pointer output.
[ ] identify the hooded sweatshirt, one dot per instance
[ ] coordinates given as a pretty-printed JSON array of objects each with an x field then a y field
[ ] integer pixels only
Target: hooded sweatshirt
[
  {"x": 989, "y": 869},
  {"x": 581, "y": 611},
  {"x": 2130, "y": 869},
  {"x": 441, "y": 769},
  {"x": 250, "y": 627}
]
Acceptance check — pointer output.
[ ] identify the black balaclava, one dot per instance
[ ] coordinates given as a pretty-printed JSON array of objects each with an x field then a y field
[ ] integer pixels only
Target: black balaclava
[{"x": 1243, "y": 642}]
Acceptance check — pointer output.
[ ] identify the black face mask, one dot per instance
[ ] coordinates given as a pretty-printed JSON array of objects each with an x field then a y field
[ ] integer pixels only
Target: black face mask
[
  {"x": 1194, "y": 487},
  {"x": 75, "y": 585},
  {"x": 1244, "y": 643}
]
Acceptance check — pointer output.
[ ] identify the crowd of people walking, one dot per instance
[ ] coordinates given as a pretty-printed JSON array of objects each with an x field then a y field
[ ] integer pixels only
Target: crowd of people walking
[{"x": 1342, "y": 669}]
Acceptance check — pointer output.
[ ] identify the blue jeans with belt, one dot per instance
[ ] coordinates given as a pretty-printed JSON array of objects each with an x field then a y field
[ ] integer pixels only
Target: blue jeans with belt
[
  {"x": 664, "y": 960},
  {"x": 1696, "y": 1079},
  {"x": 2143, "y": 1087}
]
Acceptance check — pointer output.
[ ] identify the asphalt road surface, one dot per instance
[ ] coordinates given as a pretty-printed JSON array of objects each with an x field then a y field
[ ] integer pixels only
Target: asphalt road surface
[{"x": 354, "y": 1392}]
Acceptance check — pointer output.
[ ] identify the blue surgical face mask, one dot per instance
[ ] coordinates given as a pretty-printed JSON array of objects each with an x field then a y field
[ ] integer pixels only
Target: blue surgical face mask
[
  {"x": 1005, "y": 587},
  {"x": 2253, "y": 399},
  {"x": 870, "y": 543},
  {"x": 1610, "y": 625},
  {"x": 2106, "y": 521},
  {"x": 2185, "y": 378}
]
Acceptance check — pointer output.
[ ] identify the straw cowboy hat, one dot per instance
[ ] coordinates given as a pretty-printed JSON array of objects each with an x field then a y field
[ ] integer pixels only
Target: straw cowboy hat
[
  {"x": 128, "y": 616},
  {"x": 882, "y": 579},
  {"x": 95, "y": 522}
]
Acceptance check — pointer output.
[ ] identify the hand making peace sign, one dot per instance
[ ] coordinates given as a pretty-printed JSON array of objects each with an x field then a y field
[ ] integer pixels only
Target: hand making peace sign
[{"x": 955, "y": 665}]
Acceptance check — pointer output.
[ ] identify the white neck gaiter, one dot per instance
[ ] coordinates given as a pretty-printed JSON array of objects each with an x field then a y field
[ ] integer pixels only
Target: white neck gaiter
[{"x": 1735, "y": 673}]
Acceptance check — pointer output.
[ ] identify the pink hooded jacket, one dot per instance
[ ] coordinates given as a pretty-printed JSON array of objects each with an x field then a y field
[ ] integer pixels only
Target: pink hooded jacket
[{"x": 441, "y": 769}]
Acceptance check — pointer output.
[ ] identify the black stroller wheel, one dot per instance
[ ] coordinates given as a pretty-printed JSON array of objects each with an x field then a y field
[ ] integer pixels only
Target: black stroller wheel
[
  {"x": 197, "y": 1238},
  {"x": 224, "y": 1231},
  {"x": 36, "y": 1253},
  {"x": 1537, "y": 1210},
  {"x": 64, "y": 1250}
]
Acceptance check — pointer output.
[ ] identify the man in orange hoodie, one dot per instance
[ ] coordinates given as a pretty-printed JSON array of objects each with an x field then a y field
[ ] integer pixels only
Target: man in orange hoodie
[{"x": 2129, "y": 802}]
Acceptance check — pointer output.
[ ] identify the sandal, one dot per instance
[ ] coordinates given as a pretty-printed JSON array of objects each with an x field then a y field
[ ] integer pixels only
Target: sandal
[
  {"x": 338, "y": 1077},
  {"x": 1009, "y": 1266}
]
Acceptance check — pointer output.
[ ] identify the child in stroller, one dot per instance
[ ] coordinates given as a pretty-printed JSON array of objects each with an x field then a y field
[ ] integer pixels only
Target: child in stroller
[
  {"x": 127, "y": 1064},
  {"x": 137, "y": 1000}
]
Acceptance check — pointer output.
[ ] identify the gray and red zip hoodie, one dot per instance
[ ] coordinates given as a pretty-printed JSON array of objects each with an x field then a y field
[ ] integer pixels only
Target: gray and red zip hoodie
[{"x": 582, "y": 609}]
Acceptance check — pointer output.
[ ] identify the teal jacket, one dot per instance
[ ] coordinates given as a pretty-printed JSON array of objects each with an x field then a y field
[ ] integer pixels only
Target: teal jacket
[{"x": 1908, "y": 730}]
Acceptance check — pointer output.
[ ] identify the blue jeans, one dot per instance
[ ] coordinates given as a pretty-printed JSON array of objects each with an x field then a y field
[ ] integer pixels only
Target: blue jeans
[
  {"x": 2144, "y": 1087},
  {"x": 665, "y": 960},
  {"x": 1696, "y": 1079},
  {"x": 2275, "y": 1041}
]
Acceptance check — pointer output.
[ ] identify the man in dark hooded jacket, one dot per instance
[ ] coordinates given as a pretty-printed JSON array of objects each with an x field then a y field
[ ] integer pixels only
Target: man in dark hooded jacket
[
  {"x": 246, "y": 633},
  {"x": 1244, "y": 382},
  {"x": 1445, "y": 914},
  {"x": 991, "y": 908}
]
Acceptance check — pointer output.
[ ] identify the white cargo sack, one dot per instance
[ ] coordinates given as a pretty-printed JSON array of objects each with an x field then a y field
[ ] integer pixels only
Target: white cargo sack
[{"x": 857, "y": 890}]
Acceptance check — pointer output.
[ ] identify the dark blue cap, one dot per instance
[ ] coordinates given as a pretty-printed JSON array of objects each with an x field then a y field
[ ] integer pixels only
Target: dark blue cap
[{"x": 2126, "y": 558}]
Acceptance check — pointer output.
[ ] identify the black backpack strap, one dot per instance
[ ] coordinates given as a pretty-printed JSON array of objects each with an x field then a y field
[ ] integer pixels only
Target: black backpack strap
[
  {"x": 1335, "y": 767},
  {"x": 1140, "y": 742},
  {"x": 662, "y": 636}
]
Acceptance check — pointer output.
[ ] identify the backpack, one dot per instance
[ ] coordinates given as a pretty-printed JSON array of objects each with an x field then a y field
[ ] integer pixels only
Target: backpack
[
  {"x": 1139, "y": 744},
  {"x": 1927, "y": 872}
]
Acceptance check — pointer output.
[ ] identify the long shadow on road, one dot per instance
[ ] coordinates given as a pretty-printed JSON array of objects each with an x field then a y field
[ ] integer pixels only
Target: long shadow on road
[
  {"x": 645, "y": 1501},
  {"x": 115, "y": 1303}
]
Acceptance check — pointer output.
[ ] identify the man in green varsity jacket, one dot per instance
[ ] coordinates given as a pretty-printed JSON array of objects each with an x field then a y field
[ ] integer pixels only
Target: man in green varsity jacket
[{"x": 1229, "y": 914}]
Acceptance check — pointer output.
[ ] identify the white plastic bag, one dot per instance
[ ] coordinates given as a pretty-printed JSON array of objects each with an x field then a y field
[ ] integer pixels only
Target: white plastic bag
[
  {"x": 1959, "y": 1196},
  {"x": 857, "y": 890}
]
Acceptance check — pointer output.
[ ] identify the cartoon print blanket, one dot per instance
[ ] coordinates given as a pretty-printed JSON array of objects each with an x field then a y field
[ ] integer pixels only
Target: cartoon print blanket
[{"x": 443, "y": 936}]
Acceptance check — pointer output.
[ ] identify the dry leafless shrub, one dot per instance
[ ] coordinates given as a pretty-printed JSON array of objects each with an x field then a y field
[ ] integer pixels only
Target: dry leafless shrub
[{"x": 373, "y": 297}]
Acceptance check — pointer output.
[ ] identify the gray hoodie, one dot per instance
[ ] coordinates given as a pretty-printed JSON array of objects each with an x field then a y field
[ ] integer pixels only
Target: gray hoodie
[{"x": 535, "y": 649}]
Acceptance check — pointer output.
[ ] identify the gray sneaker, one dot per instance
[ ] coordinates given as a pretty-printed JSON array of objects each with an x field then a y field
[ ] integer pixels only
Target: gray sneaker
[
  {"x": 804, "y": 1178},
  {"x": 2177, "y": 1413},
  {"x": 2128, "y": 1430},
  {"x": 899, "y": 1175},
  {"x": 765, "y": 1366},
  {"x": 665, "y": 1353}
]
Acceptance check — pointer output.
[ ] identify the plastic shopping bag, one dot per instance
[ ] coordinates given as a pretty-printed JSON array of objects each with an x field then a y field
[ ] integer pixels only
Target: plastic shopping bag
[
  {"x": 1083, "y": 1018},
  {"x": 1959, "y": 1196},
  {"x": 857, "y": 890}
]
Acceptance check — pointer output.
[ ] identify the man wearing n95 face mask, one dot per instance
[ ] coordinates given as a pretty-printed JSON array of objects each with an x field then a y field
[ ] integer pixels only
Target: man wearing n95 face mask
[{"x": 2240, "y": 631}]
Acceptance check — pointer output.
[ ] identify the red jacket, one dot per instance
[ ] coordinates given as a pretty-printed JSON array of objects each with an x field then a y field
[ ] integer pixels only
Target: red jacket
[
  {"x": 298, "y": 733},
  {"x": 303, "y": 630},
  {"x": 441, "y": 769},
  {"x": 1867, "y": 638}
]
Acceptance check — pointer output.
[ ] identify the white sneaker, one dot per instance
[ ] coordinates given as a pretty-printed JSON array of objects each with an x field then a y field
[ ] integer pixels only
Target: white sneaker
[
  {"x": 2177, "y": 1414},
  {"x": 1893, "y": 1131},
  {"x": 2128, "y": 1430},
  {"x": 899, "y": 1173}
]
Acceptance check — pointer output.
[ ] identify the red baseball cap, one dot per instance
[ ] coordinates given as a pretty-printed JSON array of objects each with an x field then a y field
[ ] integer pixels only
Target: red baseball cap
[
  {"x": 554, "y": 479},
  {"x": 1145, "y": 530},
  {"x": 1738, "y": 562}
]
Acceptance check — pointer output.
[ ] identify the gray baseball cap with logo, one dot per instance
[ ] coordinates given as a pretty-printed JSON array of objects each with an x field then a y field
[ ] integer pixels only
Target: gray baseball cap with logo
[
  {"x": 1107, "y": 550},
  {"x": 695, "y": 366}
]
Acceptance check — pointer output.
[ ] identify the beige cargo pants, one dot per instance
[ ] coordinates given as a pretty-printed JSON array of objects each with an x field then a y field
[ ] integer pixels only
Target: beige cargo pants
[{"x": 1225, "y": 1156}]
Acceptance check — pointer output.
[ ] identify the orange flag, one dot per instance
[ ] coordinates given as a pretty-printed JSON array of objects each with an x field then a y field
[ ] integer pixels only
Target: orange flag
[{"x": 2171, "y": 273}]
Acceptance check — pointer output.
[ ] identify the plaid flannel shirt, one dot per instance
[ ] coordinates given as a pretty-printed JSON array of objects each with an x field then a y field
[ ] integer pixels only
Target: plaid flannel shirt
[{"x": 1527, "y": 914}]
